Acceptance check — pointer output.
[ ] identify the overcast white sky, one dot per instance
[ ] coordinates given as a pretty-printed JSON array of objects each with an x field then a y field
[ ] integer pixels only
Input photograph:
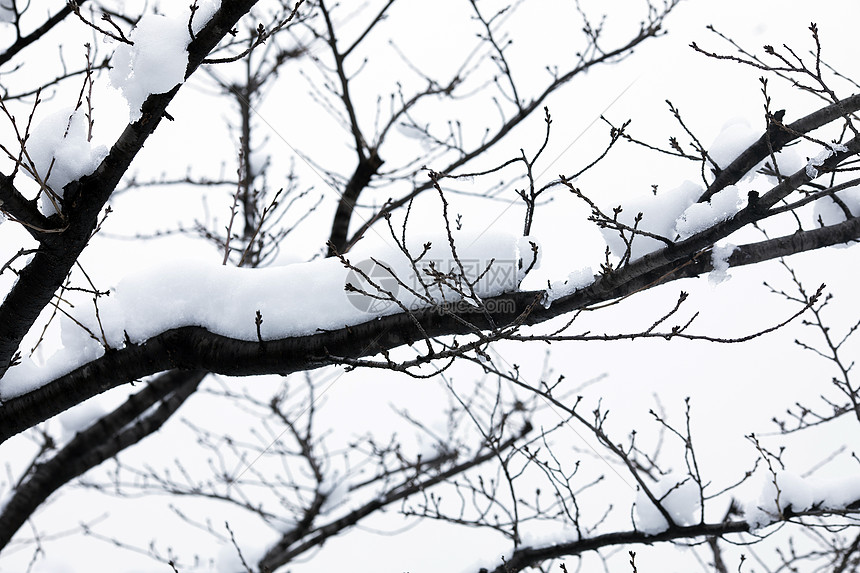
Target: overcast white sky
[{"x": 735, "y": 389}]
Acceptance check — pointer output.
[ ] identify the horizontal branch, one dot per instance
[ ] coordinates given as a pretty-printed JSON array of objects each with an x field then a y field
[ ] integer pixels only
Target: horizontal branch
[
  {"x": 528, "y": 556},
  {"x": 195, "y": 348}
]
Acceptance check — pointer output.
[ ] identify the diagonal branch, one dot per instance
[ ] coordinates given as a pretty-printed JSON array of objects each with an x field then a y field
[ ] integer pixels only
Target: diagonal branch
[
  {"x": 648, "y": 30},
  {"x": 291, "y": 546},
  {"x": 25, "y": 41},
  {"x": 775, "y": 140},
  {"x": 122, "y": 428},
  {"x": 86, "y": 197},
  {"x": 364, "y": 172}
]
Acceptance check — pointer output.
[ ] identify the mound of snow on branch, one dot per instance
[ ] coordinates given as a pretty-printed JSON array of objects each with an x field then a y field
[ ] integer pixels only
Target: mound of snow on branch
[
  {"x": 157, "y": 61},
  {"x": 659, "y": 215},
  {"x": 720, "y": 259},
  {"x": 60, "y": 151},
  {"x": 701, "y": 216},
  {"x": 788, "y": 492},
  {"x": 679, "y": 497},
  {"x": 575, "y": 281},
  {"x": 674, "y": 216},
  {"x": 819, "y": 159},
  {"x": 735, "y": 137},
  {"x": 293, "y": 300}
]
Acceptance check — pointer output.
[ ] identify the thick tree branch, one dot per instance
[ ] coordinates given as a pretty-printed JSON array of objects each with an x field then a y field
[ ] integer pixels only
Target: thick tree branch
[
  {"x": 367, "y": 168},
  {"x": 528, "y": 556},
  {"x": 196, "y": 348},
  {"x": 124, "y": 427},
  {"x": 180, "y": 358}
]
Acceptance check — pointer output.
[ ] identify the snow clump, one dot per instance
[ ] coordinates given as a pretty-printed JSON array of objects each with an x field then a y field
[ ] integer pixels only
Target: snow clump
[
  {"x": 787, "y": 492},
  {"x": 61, "y": 152},
  {"x": 819, "y": 159},
  {"x": 158, "y": 59},
  {"x": 80, "y": 417},
  {"x": 720, "y": 261},
  {"x": 679, "y": 496},
  {"x": 701, "y": 216},
  {"x": 574, "y": 281},
  {"x": 736, "y": 136},
  {"x": 294, "y": 300},
  {"x": 659, "y": 216}
]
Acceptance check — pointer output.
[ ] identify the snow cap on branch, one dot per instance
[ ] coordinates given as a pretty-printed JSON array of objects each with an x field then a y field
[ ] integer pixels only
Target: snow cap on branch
[
  {"x": 61, "y": 152},
  {"x": 294, "y": 300},
  {"x": 678, "y": 495},
  {"x": 157, "y": 60}
]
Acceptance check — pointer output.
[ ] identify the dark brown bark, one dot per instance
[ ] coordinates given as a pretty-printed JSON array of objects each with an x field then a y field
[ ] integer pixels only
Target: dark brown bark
[
  {"x": 367, "y": 168},
  {"x": 125, "y": 426}
]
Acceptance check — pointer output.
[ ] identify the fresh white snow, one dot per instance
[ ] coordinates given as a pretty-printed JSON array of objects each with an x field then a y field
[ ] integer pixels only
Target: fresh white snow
[
  {"x": 80, "y": 417},
  {"x": 788, "y": 490},
  {"x": 60, "y": 152},
  {"x": 735, "y": 137},
  {"x": 819, "y": 159},
  {"x": 157, "y": 61},
  {"x": 679, "y": 496},
  {"x": 293, "y": 300},
  {"x": 575, "y": 280},
  {"x": 660, "y": 213},
  {"x": 701, "y": 216},
  {"x": 720, "y": 259}
]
